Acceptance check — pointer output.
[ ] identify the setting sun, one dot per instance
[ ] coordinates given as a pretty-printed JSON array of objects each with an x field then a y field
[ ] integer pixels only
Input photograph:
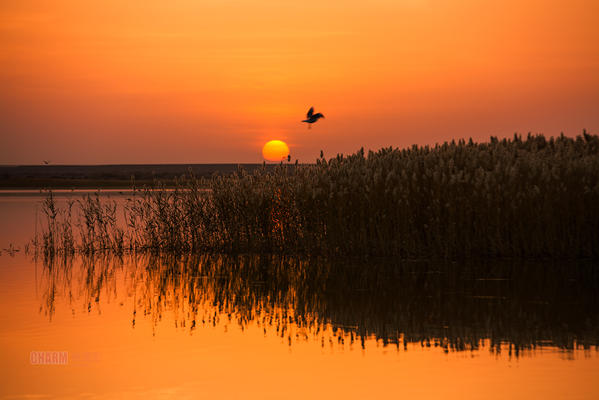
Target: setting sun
[{"x": 275, "y": 150}]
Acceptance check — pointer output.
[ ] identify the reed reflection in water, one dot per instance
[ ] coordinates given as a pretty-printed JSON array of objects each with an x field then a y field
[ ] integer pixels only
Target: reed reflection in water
[{"x": 509, "y": 307}]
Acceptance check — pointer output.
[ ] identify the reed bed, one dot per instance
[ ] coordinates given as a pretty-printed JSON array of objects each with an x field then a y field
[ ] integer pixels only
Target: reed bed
[{"x": 521, "y": 197}]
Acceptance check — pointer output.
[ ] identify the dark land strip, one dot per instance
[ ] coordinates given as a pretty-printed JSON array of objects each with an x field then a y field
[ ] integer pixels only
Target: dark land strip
[{"x": 108, "y": 176}]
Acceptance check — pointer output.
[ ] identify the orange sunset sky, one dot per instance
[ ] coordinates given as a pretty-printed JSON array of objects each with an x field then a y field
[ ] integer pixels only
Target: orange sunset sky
[{"x": 202, "y": 81}]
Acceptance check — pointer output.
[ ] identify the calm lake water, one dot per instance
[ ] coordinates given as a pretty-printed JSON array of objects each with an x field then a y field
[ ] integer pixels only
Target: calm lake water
[{"x": 200, "y": 326}]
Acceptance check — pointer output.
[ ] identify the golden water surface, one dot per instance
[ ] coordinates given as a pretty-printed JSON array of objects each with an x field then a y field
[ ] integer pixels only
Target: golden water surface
[{"x": 200, "y": 326}]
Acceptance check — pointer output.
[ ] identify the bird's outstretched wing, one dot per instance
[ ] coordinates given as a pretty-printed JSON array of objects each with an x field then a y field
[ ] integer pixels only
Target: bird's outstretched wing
[
  {"x": 318, "y": 115},
  {"x": 310, "y": 112}
]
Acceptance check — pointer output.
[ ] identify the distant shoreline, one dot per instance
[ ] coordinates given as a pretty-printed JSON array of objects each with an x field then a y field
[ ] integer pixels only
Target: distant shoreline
[
  {"x": 75, "y": 184},
  {"x": 124, "y": 176}
]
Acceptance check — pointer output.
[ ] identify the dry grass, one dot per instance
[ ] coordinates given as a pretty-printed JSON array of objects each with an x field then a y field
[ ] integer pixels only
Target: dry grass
[{"x": 532, "y": 197}]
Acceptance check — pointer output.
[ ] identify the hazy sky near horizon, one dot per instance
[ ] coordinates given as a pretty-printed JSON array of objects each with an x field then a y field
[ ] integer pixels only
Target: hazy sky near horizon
[{"x": 202, "y": 81}]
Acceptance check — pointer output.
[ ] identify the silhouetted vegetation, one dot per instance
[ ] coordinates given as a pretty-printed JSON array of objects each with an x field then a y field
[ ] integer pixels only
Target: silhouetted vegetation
[{"x": 532, "y": 197}]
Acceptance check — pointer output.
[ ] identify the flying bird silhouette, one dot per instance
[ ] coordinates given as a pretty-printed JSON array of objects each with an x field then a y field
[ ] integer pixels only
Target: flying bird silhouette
[{"x": 311, "y": 117}]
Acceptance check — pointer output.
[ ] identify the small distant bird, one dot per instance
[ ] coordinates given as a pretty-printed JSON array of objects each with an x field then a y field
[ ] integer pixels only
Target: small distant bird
[
  {"x": 311, "y": 117},
  {"x": 46, "y": 162}
]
